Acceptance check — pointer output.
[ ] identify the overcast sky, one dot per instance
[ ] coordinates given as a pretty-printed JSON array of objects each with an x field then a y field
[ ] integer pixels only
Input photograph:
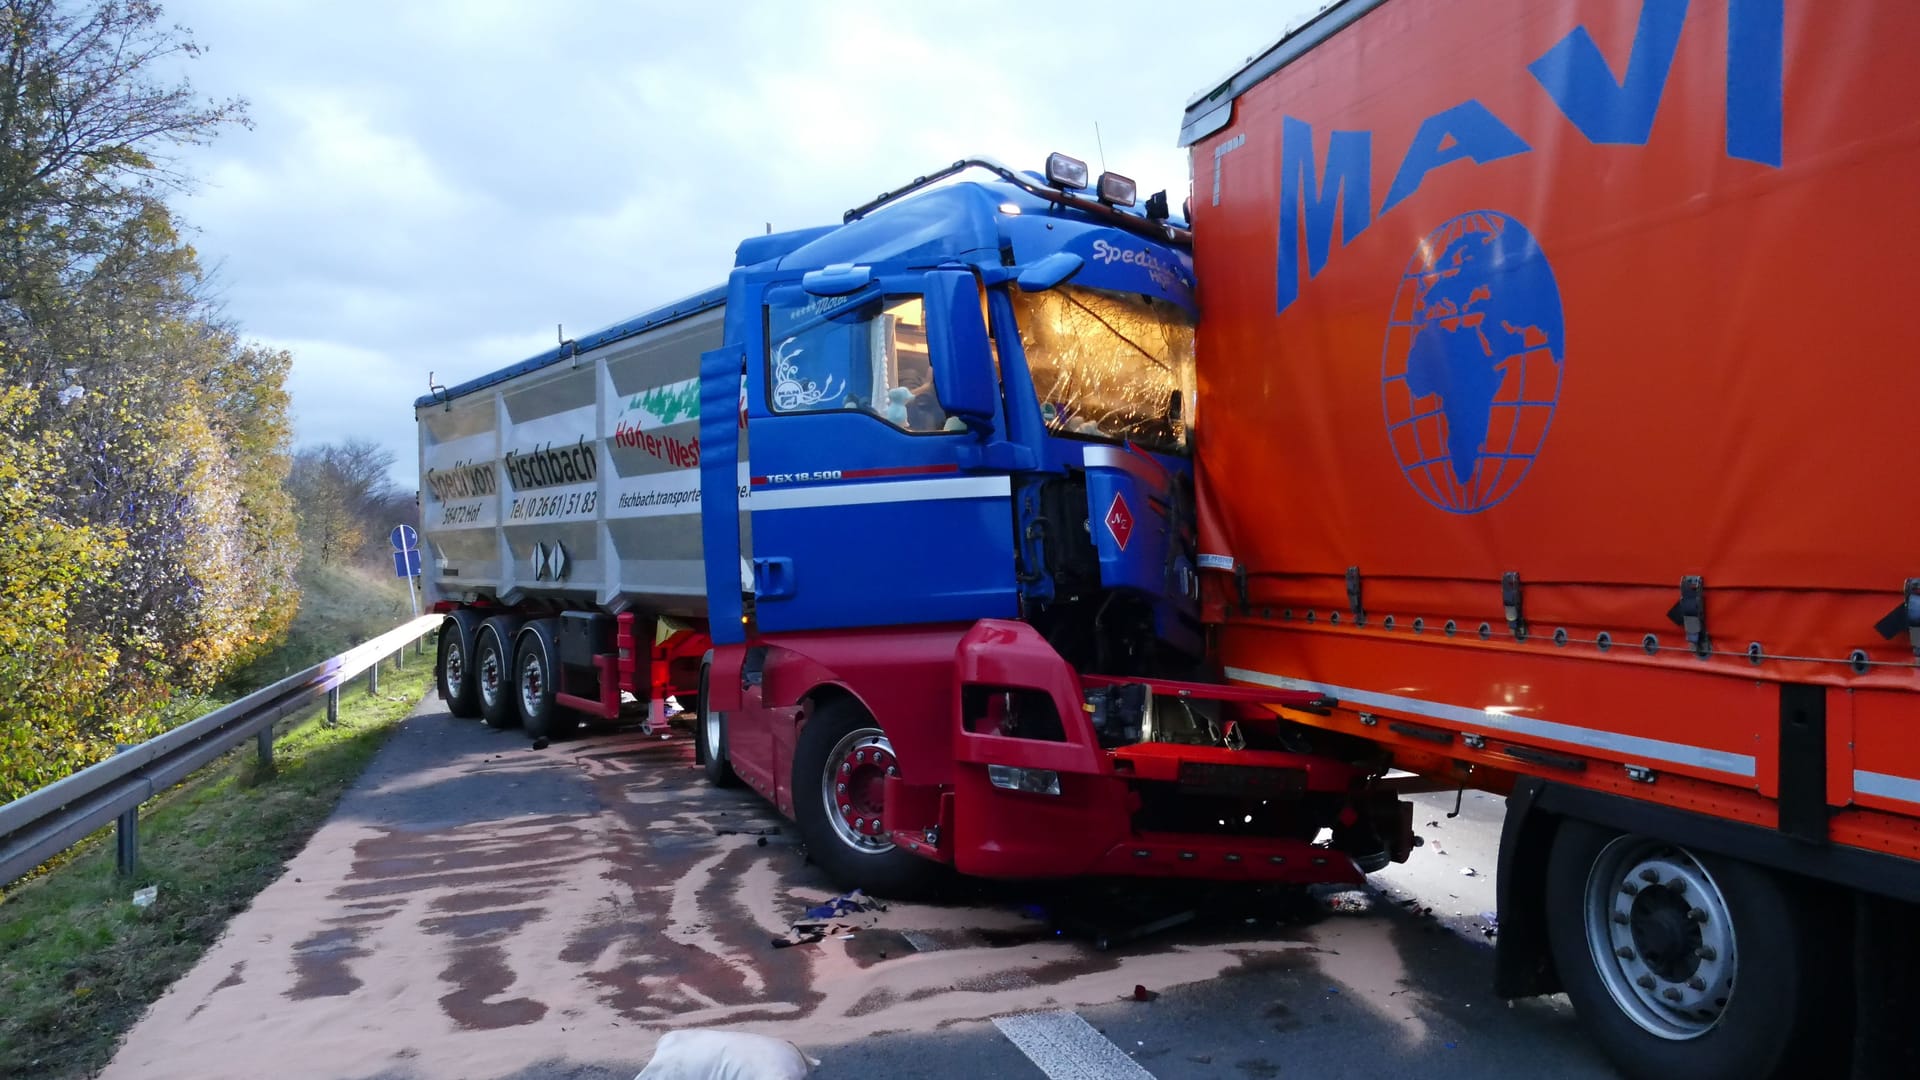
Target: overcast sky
[{"x": 431, "y": 185}]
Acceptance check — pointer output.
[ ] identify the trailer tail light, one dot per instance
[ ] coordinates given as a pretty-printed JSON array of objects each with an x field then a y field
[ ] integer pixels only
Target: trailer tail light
[
  {"x": 1031, "y": 781},
  {"x": 1117, "y": 190},
  {"x": 1066, "y": 172}
]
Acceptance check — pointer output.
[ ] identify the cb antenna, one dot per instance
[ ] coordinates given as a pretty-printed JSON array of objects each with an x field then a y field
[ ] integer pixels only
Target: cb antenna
[{"x": 1100, "y": 146}]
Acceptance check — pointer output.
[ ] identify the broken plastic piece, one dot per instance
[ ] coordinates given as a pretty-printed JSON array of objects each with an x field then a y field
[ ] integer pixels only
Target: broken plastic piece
[{"x": 144, "y": 898}]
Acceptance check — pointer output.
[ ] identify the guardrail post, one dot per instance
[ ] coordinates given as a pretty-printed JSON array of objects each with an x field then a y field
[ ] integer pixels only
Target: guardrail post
[
  {"x": 126, "y": 845},
  {"x": 263, "y": 743},
  {"x": 373, "y": 679},
  {"x": 333, "y": 707},
  {"x": 400, "y": 660}
]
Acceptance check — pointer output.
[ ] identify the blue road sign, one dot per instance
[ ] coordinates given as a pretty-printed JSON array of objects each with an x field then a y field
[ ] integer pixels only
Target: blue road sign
[
  {"x": 406, "y": 564},
  {"x": 404, "y": 539}
]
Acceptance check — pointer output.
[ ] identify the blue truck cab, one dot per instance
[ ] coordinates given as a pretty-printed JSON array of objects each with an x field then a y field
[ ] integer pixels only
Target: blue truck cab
[{"x": 968, "y": 401}]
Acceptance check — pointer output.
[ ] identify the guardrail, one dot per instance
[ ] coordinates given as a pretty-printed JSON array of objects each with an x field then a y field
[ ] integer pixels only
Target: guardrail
[{"x": 41, "y": 824}]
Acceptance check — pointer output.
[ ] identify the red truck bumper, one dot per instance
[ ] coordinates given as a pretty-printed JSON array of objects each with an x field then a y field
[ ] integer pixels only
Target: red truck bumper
[{"x": 1063, "y": 806}]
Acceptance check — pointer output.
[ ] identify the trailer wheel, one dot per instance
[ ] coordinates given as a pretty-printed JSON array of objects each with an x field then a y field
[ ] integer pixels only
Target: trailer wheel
[
  {"x": 493, "y": 671},
  {"x": 453, "y": 671},
  {"x": 534, "y": 675},
  {"x": 710, "y": 739},
  {"x": 1681, "y": 963},
  {"x": 840, "y": 764}
]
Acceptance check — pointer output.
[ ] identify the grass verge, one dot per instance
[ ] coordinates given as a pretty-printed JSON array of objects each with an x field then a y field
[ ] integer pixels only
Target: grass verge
[{"x": 79, "y": 963}]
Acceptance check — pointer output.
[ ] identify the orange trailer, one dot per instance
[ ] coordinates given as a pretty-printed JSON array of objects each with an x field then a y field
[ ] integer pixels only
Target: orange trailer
[{"x": 1556, "y": 364}]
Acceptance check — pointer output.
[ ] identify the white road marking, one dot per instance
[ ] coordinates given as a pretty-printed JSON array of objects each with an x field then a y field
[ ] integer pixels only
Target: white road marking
[{"x": 1066, "y": 1047}]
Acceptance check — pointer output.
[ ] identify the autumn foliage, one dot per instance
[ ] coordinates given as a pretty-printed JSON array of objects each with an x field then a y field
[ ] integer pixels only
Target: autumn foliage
[{"x": 148, "y": 544}]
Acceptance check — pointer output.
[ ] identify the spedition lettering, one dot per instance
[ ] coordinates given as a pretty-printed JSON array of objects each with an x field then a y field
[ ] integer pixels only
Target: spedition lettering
[
  {"x": 464, "y": 481},
  {"x": 549, "y": 467},
  {"x": 1576, "y": 76}
]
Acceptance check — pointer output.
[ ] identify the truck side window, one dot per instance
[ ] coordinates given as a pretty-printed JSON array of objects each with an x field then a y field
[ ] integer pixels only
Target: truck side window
[{"x": 867, "y": 355}]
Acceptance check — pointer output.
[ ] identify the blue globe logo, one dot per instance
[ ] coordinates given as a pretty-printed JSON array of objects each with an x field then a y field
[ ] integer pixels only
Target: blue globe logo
[{"x": 1474, "y": 358}]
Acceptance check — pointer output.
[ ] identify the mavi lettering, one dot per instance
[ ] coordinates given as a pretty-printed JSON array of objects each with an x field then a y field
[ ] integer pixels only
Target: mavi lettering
[{"x": 1577, "y": 77}]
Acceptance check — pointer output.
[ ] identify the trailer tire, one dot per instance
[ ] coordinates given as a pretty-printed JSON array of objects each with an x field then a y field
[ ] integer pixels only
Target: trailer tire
[
  {"x": 453, "y": 666},
  {"x": 493, "y": 676},
  {"x": 1627, "y": 957},
  {"x": 535, "y": 671},
  {"x": 710, "y": 739},
  {"x": 842, "y": 828}
]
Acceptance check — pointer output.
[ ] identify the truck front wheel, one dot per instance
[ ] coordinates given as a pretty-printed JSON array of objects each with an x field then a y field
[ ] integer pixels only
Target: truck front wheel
[
  {"x": 840, "y": 765},
  {"x": 710, "y": 739},
  {"x": 1680, "y": 963}
]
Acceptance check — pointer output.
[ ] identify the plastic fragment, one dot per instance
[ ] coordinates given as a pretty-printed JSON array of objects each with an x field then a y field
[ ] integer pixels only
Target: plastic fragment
[
  {"x": 144, "y": 898},
  {"x": 1468, "y": 871},
  {"x": 1141, "y": 993}
]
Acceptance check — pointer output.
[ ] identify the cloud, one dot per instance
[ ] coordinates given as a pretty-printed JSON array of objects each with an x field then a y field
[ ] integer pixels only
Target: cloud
[{"x": 434, "y": 186}]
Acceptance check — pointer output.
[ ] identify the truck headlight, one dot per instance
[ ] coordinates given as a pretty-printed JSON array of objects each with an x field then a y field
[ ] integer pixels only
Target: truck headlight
[
  {"x": 1117, "y": 190},
  {"x": 1066, "y": 172},
  {"x": 1031, "y": 781}
]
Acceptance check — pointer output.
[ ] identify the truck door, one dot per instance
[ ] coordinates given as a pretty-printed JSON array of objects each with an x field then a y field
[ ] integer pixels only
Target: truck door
[{"x": 868, "y": 506}]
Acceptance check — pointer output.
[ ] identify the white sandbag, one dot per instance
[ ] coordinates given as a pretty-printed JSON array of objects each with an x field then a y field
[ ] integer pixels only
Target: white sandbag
[{"x": 701, "y": 1054}]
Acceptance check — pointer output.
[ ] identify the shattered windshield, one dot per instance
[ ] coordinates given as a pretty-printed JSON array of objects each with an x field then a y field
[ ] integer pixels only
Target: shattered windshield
[{"x": 1107, "y": 365}]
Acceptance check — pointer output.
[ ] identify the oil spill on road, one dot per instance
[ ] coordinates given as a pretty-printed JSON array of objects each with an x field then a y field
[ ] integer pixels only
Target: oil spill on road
[{"x": 323, "y": 964}]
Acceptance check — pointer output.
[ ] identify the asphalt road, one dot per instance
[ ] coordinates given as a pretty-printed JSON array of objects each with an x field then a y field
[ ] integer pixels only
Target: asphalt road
[{"x": 477, "y": 908}]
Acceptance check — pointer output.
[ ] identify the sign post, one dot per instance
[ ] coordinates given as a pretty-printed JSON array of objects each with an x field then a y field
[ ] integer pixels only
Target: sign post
[{"x": 406, "y": 560}]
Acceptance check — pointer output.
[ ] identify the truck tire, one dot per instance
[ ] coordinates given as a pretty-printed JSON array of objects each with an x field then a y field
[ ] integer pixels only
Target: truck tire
[
  {"x": 493, "y": 671},
  {"x": 453, "y": 666},
  {"x": 535, "y": 669},
  {"x": 710, "y": 739},
  {"x": 1648, "y": 937},
  {"x": 839, "y": 763}
]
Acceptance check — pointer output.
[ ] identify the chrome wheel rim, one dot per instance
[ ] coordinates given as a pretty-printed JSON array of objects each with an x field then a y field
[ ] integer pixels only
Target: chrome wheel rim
[
  {"x": 712, "y": 722},
  {"x": 852, "y": 789},
  {"x": 533, "y": 680},
  {"x": 1661, "y": 936},
  {"x": 490, "y": 677},
  {"x": 456, "y": 667}
]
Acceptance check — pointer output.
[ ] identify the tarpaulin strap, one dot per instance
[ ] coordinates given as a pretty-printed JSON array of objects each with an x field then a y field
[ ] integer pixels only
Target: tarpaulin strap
[
  {"x": 1905, "y": 617},
  {"x": 1353, "y": 596},
  {"x": 1690, "y": 614},
  {"x": 1510, "y": 600}
]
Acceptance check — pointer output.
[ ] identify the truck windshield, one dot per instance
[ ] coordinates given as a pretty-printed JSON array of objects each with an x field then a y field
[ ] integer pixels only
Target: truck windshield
[{"x": 1106, "y": 365}]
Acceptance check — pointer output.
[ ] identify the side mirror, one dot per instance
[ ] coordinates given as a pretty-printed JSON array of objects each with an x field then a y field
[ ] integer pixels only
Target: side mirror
[
  {"x": 958, "y": 349},
  {"x": 1044, "y": 274},
  {"x": 836, "y": 280}
]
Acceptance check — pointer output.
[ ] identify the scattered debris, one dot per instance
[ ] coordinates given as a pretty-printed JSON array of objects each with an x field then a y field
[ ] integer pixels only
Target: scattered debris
[
  {"x": 540, "y": 743},
  {"x": 702, "y": 1052},
  {"x": 850, "y": 904},
  {"x": 798, "y": 936},
  {"x": 762, "y": 842},
  {"x": 144, "y": 898},
  {"x": 1346, "y": 901},
  {"x": 1141, "y": 993},
  {"x": 1468, "y": 871},
  {"x": 1201, "y": 1059},
  {"x": 770, "y": 831},
  {"x": 1433, "y": 824},
  {"x": 1491, "y": 923}
]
